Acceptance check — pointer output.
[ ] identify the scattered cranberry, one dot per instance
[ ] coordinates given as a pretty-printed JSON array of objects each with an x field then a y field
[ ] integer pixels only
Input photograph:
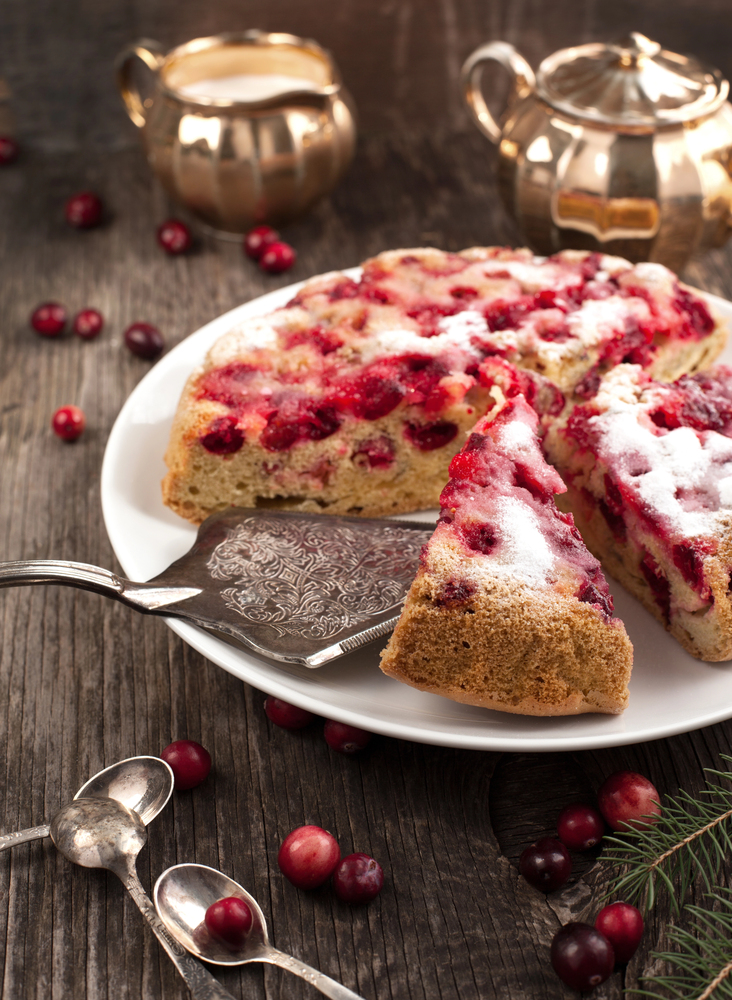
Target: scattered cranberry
[
  {"x": 358, "y": 879},
  {"x": 230, "y": 920},
  {"x": 88, "y": 324},
  {"x": 84, "y": 210},
  {"x": 144, "y": 340},
  {"x": 628, "y": 799},
  {"x": 308, "y": 856},
  {"x": 282, "y": 713},
  {"x": 189, "y": 761},
  {"x": 258, "y": 239},
  {"x": 345, "y": 739},
  {"x": 49, "y": 319},
  {"x": 546, "y": 864},
  {"x": 622, "y": 925},
  {"x": 277, "y": 257},
  {"x": 68, "y": 422},
  {"x": 581, "y": 956},
  {"x": 174, "y": 236},
  {"x": 580, "y": 827},
  {"x": 8, "y": 150}
]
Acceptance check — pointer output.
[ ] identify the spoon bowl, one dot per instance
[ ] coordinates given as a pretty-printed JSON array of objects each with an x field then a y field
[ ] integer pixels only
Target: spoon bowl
[
  {"x": 143, "y": 784},
  {"x": 105, "y": 833},
  {"x": 182, "y": 895}
]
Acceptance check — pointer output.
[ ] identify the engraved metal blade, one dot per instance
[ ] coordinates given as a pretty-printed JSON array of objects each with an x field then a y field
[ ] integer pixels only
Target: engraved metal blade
[{"x": 298, "y": 588}]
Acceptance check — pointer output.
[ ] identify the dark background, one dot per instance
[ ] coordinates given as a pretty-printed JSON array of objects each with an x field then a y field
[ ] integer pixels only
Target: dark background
[{"x": 399, "y": 58}]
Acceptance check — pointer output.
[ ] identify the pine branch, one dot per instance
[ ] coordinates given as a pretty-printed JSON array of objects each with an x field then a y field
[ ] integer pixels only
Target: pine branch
[
  {"x": 689, "y": 841},
  {"x": 703, "y": 955}
]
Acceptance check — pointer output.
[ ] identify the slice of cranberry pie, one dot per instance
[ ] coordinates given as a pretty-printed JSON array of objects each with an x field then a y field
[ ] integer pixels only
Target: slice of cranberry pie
[
  {"x": 509, "y": 610},
  {"x": 649, "y": 473},
  {"x": 355, "y": 397}
]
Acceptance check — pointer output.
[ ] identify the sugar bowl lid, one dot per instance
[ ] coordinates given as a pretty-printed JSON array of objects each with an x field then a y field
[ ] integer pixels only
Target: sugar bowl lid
[{"x": 633, "y": 84}]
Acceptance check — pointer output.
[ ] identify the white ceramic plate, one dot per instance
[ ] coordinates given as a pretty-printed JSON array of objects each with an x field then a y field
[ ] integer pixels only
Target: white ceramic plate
[{"x": 670, "y": 692}]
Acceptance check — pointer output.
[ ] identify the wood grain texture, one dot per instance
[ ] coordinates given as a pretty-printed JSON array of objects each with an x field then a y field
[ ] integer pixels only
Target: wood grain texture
[{"x": 84, "y": 682}]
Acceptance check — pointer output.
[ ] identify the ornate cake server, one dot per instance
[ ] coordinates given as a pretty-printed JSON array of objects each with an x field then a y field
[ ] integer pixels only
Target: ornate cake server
[{"x": 298, "y": 588}]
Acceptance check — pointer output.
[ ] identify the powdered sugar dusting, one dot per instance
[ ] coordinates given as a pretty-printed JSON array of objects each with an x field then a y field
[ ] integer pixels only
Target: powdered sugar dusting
[
  {"x": 689, "y": 477},
  {"x": 455, "y": 334},
  {"x": 256, "y": 334},
  {"x": 523, "y": 550}
]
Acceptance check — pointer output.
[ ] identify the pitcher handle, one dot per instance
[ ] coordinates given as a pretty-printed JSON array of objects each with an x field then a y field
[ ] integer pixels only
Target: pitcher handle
[
  {"x": 152, "y": 55},
  {"x": 524, "y": 82}
]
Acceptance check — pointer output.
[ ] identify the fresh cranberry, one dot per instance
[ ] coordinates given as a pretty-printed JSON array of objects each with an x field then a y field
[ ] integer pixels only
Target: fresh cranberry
[
  {"x": 546, "y": 864},
  {"x": 628, "y": 799},
  {"x": 258, "y": 239},
  {"x": 174, "y": 236},
  {"x": 8, "y": 150},
  {"x": 144, "y": 340},
  {"x": 622, "y": 925},
  {"x": 580, "y": 827},
  {"x": 88, "y": 324},
  {"x": 230, "y": 920},
  {"x": 288, "y": 716},
  {"x": 358, "y": 879},
  {"x": 277, "y": 257},
  {"x": 345, "y": 739},
  {"x": 68, "y": 422},
  {"x": 223, "y": 437},
  {"x": 190, "y": 763},
  {"x": 49, "y": 319},
  {"x": 308, "y": 856},
  {"x": 581, "y": 956},
  {"x": 84, "y": 210}
]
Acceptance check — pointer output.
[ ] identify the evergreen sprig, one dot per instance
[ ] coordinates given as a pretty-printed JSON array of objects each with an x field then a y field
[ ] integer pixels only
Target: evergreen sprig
[
  {"x": 689, "y": 840},
  {"x": 703, "y": 955}
]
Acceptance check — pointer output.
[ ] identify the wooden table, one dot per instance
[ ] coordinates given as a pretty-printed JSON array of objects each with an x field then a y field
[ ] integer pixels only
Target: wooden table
[{"x": 85, "y": 682}]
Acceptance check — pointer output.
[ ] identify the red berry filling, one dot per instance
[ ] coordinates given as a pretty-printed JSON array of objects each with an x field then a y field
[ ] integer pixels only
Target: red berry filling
[
  {"x": 223, "y": 437},
  {"x": 377, "y": 453},
  {"x": 501, "y": 475},
  {"x": 428, "y": 437}
]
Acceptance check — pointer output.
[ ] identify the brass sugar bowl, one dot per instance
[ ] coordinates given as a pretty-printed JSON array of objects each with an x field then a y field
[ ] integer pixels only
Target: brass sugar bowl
[
  {"x": 266, "y": 150},
  {"x": 624, "y": 148}
]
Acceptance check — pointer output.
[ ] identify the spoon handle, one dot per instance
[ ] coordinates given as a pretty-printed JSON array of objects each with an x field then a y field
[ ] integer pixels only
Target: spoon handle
[
  {"x": 198, "y": 979},
  {"x": 23, "y": 836},
  {"x": 326, "y": 985}
]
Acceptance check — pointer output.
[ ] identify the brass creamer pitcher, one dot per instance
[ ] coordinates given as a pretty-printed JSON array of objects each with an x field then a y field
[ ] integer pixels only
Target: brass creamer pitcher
[
  {"x": 248, "y": 154},
  {"x": 624, "y": 148}
]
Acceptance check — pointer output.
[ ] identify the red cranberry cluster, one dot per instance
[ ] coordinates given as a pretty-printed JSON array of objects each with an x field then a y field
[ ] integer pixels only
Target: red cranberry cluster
[
  {"x": 309, "y": 856},
  {"x": 264, "y": 245},
  {"x": 581, "y": 955},
  {"x": 189, "y": 762},
  {"x": 339, "y": 736}
]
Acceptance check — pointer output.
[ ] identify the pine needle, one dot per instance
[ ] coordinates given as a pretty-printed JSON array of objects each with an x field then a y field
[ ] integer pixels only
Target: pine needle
[
  {"x": 689, "y": 842},
  {"x": 703, "y": 955}
]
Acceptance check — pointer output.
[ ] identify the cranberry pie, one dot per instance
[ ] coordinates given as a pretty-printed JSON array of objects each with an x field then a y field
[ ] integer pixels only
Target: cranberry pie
[
  {"x": 355, "y": 396},
  {"x": 509, "y": 610},
  {"x": 648, "y": 468}
]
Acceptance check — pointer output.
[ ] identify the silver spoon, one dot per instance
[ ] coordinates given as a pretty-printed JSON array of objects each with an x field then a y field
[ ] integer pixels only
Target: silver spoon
[
  {"x": 143, "y": 784},
  {"x": 104, "y": 833},
  {"x": 182, "y": 895}
]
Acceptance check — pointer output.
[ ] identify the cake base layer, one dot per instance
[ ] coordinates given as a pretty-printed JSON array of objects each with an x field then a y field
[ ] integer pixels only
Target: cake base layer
[{"x": 510, "y": 649}]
